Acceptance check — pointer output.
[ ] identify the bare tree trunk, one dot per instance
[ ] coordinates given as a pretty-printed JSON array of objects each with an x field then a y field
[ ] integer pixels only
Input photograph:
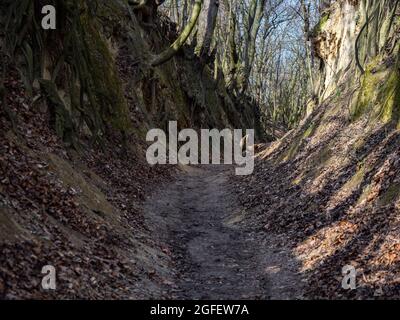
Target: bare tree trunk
[
  {"x": 206, "y": 27},
  {"x": 232, "y": 52},
  {"x": 184, "y": 14},
  {"x": 255, "y": 16},
  {"x": 180, "y": 41},
  {"x": 305, "y": 10}
]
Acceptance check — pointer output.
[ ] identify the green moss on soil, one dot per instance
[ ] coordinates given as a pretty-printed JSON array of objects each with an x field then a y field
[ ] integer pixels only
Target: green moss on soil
[
  {"x": 367, "y": 96},
  {"x": 291, "y": 152},
  {"x": 364, "y": 194},
  {"x": 390, "y": 195},
  {"x": 390, "y": 98},
  {"x": 359, "y": 144},
  {"x": 295, "y": 145},
  {"x": 315, "y": 164},
  {"x": 310, "y": 131},
  {"x": 379, "y": 94},
  {"x": 321, "y": 24},
  {"x": 104, "y": 85},
  {"x": 356, "y": 179}
]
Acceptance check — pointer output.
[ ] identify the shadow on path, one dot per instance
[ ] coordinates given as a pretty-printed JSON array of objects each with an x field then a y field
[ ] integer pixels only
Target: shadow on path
[{"x": 215, "y": 255}]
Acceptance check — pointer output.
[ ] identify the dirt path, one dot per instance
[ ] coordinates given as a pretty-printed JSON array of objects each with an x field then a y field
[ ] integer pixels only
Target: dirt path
[{"x": 215, "y": 256}]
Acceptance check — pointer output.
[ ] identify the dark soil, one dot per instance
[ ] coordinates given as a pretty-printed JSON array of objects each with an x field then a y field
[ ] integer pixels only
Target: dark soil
[{"x": 216, "y": 256}]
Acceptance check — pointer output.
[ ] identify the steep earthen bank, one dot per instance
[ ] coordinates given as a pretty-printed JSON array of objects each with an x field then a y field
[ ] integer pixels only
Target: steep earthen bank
[
  {"x": 74, "y": 177},
  {"x": 76, "y": 104},
  {"x": 330, "y": 188}
]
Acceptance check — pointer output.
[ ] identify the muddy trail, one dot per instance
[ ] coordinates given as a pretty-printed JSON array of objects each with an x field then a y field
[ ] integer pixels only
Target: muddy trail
[{"x": 215, "y": 254}]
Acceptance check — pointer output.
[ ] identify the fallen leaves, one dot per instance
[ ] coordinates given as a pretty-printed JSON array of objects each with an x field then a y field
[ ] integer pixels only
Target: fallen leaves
[
  {"x": 92, "y": 255},
  {"x": 334, "y": 215}
]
